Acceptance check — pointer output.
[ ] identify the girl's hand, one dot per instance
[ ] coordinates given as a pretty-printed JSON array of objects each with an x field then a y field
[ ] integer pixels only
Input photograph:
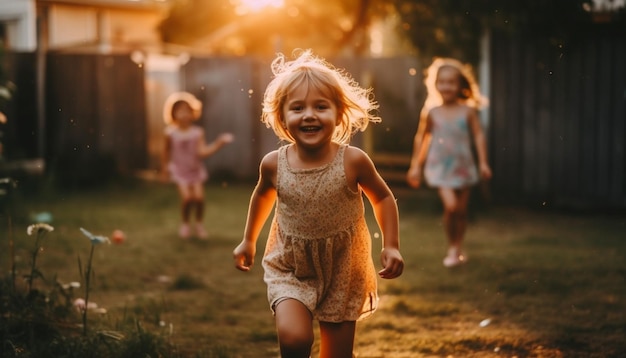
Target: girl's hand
[
  {"x": 226, "y": 138},
  {"x": 485, "y": 171},
  {"x": 392, "y": 262},
  {"x": 413, "y": 177},
  {"x": 244, "y": 255},
  {"x": 207, "y": 150}
]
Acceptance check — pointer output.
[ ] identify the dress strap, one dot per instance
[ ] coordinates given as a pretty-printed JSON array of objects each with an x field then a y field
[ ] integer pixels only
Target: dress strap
[
  {"x": 283, "y": 163},
  {"x": 338, "y": 160}
]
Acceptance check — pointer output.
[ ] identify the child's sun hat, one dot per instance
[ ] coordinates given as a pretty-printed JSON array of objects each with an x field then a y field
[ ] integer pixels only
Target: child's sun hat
[{"x": 194, "y": 103}]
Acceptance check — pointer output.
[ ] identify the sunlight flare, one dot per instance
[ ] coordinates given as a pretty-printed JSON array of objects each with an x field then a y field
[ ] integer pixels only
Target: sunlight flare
[{"x": 253, "y": 6}]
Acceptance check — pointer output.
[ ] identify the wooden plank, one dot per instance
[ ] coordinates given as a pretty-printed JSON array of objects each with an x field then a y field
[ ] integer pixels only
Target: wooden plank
[
  {"x": 528, "y": 120},
  {"x": 392, "y": 159},
  {"x": 21, "y": 131},
  {"x": 496, "y": 125},
  {"x": 588, "y": 127},
  {"x": 571, "y": 179},
  {"x": 393, "y": 176},
  {"x": 618, "y": 125},
  {"x": 515, "y": 135},
  {"x": 501, "y": 117},
  {"x": 508, "y": 117},
  {"x": 121, "y": 113},
  {"x": 543, "y": 117},
  {"x": 231, "y": 103},
  {"x": 603, "y": 119},
  {"x": 559, "y": 158}
]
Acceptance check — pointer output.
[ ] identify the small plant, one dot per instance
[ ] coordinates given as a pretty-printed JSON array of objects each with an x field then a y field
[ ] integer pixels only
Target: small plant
[
  {"x": 30, "y": 316},
  {"x": 86, "y": 275},
  {"x": 39, "y": 322},
  {"x": 40, "y": 230}
]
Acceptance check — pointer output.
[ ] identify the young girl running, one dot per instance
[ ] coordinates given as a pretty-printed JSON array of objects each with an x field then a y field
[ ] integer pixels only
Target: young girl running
[
  {"x": 443, "y": 141},
  {"x": 317, "y": 261},
  {"x": 185, "y": 148}
]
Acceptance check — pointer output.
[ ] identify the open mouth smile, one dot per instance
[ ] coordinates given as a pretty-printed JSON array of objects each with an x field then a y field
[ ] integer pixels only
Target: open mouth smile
[{"x": 310, "y": 129}]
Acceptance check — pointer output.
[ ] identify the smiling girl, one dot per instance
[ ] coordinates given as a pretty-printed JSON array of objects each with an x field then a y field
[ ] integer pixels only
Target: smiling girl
[
  {"x": 443, "y": 141},
  {"x": 317, "y": 261}
]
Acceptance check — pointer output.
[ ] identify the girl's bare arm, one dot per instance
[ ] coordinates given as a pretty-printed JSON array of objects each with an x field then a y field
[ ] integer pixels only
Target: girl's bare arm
[
  {"x": 261, "y": 204},
  {"x": 361, "y": 170},
  {"x": 207, "y": 150},
  {"x": 480, "y": 143},
  {"x": 165, "y": 157},
  {"x": 421, "y": 143}
]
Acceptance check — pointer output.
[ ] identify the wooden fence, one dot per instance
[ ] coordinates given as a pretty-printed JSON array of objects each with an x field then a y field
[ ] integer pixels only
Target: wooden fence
[
  {"x": 95, "y": 115},
  {"x": 232, "y": 90},
  {"x": 556, "y": 127},
  {"x": 557, "y": 132},
  {"x": 19, "y": 133}
]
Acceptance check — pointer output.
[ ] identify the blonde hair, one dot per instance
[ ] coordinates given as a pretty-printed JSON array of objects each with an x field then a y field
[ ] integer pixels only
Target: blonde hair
[
  {"x": 354, "y": 104},
  {"x": 470, "y": 91}
]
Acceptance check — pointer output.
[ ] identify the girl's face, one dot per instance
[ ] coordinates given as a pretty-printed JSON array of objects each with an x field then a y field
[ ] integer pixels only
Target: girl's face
[
  {"x": 448, "y": 84},
  {"x": 310, "y": 116},
  {"x": 182, "y": 114}
]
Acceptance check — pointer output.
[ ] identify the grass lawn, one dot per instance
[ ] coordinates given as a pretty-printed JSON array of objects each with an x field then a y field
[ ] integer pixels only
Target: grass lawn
[{"x": 537, "y": 284}]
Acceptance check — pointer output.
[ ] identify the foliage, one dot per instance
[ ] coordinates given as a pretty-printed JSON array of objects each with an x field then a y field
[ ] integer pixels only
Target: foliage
[
  {"x": 453, "y": 28},
  {"x": 434, "y": 27},
  {"x": 327, "y": 26},
  {"x": 40, "y": 319}
]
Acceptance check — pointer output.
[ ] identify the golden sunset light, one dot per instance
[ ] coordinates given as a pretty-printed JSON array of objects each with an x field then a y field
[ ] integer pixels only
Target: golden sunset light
[{"x": 248, "y": 6}]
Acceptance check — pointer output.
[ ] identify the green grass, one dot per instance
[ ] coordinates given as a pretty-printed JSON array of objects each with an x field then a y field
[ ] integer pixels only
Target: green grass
[{"x": 550, "y": 284}]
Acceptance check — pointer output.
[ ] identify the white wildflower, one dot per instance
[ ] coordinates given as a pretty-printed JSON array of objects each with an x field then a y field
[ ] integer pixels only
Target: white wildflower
[
  {"x": 5, "y": 93},
  {"x": 95, "y": 239},
  {"x": 38, "y": 228},
  {"x": 73, "y": 284}
]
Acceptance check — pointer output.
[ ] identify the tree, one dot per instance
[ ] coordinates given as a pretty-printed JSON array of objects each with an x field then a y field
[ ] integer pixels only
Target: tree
[
  {"x": 434, "y": 27},
  {"x": 327, "y": 26},
  {"x": 454, "y": 27}
]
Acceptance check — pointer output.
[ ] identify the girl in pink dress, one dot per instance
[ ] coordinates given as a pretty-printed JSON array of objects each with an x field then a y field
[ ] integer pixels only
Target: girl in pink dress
[
  {"x": 185, "y": 149},
  {"x": 318, "y": 260},
  {"x": 449, "y": 116}
]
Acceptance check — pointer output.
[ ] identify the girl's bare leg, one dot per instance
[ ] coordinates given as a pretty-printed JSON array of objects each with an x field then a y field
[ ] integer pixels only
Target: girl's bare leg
[
  {"x": 449, "y": 201},
  {"x": 294, "y": 325},
  {"x": 462, "y": 199},
  {"x": 197, "y": 193},
  {"x": 186, "y": 205},
  {"x": 337, "y": 339},
  {"x": 454, "y": 220}
]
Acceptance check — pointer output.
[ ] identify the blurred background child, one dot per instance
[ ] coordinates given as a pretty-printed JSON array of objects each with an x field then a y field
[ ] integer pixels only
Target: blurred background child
[
  {"x": 448, "y": 123},
  {"x": 185, "y": 149}
]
